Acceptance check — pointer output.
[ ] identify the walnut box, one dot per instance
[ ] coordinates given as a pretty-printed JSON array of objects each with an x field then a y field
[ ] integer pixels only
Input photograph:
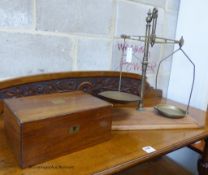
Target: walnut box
[{"x": 43, "y": 127}]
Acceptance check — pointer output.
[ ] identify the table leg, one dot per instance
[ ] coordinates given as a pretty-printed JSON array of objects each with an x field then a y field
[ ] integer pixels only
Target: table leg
[{"x": 203, "y": 162}]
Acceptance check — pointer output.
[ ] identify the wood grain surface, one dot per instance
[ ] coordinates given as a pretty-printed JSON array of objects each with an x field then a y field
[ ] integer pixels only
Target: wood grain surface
[
  {"x": 31, "y": 108},
  {"x": 132, "y": 119},
  {"x": 122, "y": 151}
]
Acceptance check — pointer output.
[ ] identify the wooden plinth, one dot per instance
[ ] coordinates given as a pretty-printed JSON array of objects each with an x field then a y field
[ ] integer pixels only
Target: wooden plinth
[{"x": 131, "y": 119}]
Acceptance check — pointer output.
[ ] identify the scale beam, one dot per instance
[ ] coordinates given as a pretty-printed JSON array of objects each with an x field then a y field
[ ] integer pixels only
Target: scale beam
[{"x": 157, "y": 40}]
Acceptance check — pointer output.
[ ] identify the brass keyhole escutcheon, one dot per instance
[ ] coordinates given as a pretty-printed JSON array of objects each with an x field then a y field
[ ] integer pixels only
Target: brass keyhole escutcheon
[{"x": 74, "y": 129}]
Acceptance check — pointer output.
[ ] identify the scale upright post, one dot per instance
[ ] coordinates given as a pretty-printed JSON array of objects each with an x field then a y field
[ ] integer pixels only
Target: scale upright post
[{"x": 149, "y": 39}]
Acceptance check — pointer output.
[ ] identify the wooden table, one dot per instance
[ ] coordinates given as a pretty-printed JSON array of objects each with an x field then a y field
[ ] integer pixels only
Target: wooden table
[{"x": 124, "y": 150}]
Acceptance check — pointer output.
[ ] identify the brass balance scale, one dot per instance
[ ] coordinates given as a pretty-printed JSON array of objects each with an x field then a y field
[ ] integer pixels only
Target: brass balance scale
[{"x": 150, "y": 39}]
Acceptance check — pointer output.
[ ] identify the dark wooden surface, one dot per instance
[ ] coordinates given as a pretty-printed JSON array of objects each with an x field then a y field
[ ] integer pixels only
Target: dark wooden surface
[
  {"x": 41, "y": 127},
  {"x": 91, "y": 82}
]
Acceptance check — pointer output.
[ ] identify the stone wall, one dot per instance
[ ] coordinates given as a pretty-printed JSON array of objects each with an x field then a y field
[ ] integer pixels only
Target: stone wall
[{"x": 39, "y": 36}]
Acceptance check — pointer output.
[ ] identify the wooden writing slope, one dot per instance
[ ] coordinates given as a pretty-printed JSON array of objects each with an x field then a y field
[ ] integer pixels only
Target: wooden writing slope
[
  {"x": 123, "y": 150},
  {"x": 43, "y": 127}
]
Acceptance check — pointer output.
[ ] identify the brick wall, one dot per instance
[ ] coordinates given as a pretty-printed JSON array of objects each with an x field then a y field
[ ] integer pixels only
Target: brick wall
[{"x": 38, "y": 36}]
